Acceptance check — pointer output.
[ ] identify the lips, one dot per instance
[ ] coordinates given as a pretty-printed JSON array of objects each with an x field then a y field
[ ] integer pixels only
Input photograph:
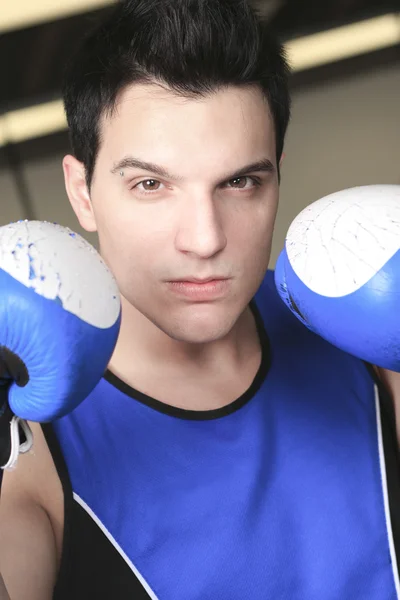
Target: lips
[{"x": 201, "y": 290}]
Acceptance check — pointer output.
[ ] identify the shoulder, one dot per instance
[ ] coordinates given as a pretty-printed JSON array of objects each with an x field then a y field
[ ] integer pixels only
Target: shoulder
[{"x": 34, "y": 472}]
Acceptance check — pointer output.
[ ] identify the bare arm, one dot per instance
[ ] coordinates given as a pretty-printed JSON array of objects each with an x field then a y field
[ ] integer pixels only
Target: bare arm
[
  {"x": 391, "y": 380},
  {"x": 27, "y": 552},
  {"x": 3, "y": 592},
  {"x": 28, "y": 560}
]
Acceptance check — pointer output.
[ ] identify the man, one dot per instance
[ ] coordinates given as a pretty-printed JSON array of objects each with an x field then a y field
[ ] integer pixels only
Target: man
[{"x": 228, "y": 453}]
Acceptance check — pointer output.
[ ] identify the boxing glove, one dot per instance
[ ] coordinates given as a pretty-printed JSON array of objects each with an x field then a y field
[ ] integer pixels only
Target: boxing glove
[
  {"x": 339, "y": 272},
  {"x": 59, "y": 323}
]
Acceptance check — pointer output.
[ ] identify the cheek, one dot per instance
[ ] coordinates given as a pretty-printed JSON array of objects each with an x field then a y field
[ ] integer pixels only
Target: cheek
[
  {"x": 251, "y": 233},
  {"x": 133, "y": 250}
]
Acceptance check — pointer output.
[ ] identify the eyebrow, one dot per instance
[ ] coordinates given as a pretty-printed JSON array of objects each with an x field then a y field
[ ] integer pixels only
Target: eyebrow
[
  {"x": 261, "y": 166},
  {"x": 130, "y": 162}
]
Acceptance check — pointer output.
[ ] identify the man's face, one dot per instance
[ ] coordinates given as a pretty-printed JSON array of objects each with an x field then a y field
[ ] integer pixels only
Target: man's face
[{"x": 191, "y": 215}]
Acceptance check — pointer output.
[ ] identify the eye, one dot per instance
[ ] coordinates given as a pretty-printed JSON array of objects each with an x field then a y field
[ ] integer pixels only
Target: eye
[
  {"x": 148, "y": 185},
  {"x": 242, "y": 183}
]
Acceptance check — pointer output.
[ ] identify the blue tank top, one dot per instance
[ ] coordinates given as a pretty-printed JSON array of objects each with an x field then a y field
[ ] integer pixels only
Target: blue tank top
[{"x": 281, "y": 495}]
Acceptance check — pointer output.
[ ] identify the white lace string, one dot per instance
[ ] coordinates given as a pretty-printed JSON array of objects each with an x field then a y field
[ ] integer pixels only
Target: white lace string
[{"x": 16, "y": 447}]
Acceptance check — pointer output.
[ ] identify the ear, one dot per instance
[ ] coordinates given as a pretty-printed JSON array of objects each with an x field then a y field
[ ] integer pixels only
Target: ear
[
  {"x": 78, "y": 193},
  {"x": 283, "y": 156}
]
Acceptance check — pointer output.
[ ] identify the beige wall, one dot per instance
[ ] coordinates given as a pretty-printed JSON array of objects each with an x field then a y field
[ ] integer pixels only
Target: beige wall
[
  {"x": 45, "y": 181},
  {"x": 342, "y": 134},
  {"x": 10, "y": 210}
]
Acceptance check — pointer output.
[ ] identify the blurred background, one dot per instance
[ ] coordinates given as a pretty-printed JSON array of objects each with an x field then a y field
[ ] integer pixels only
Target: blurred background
[{"x": 345, "y": 129}]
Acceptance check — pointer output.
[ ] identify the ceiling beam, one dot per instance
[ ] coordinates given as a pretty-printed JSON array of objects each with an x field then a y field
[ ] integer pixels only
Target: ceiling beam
[
  {"x": 26, "y": 13},
  {"x": 347, "y": 41},
  {"x": 304, "y": 53}
]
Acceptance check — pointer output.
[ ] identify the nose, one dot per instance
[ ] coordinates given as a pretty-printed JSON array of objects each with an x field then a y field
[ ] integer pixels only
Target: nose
[{"x": 200, "y": 229}]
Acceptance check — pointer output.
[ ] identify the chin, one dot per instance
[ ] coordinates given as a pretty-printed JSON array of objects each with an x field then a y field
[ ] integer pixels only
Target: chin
[
  {"x": 200, "y": 337},
  {"x": 200, "y": 329}
]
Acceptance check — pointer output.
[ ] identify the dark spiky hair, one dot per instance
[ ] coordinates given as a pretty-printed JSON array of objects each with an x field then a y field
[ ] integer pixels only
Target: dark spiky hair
[{"x": 192, "y": 46}]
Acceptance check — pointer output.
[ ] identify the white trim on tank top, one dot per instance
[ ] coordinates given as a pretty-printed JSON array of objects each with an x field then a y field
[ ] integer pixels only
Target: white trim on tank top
[
  {"x": 382, "y": 464},
  {"x": 118, "y": 548}
]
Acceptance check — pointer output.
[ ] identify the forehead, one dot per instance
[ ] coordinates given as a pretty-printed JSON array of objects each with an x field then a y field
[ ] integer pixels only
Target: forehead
[{"x": 159, "y": 125}]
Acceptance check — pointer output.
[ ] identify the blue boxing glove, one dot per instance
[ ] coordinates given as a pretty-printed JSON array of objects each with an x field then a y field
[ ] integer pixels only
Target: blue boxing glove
[
  {"x": 339, "y": 272},
  {"x": 59, "y": 322}
]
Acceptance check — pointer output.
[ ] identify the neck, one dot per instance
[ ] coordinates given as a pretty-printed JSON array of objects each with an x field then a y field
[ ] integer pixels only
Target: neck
[{"x": 148, "y": 359}]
